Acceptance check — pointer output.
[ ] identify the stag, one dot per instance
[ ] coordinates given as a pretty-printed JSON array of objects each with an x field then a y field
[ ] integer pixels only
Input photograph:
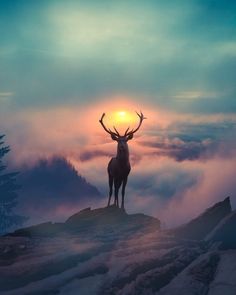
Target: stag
[{"x": 119, "y": 167}]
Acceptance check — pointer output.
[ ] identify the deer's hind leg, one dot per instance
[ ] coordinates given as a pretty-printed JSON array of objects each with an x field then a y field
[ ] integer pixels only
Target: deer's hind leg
[
  {"x": 123, "y": 192},
  {"x": 117, "y": 186},
  {"x": 110, "y": 189}
]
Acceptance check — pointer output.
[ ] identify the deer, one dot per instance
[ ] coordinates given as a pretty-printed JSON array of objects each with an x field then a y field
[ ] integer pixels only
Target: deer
[{"x": 119, "y": 167}]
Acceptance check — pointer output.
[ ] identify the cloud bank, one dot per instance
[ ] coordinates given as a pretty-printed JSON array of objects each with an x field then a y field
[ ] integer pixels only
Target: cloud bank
[{"x": 180, "y": 163}]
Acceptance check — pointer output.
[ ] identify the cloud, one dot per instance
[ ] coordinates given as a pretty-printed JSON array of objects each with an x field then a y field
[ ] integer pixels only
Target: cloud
[
  {"x": 195, "y": 148},
  {"x": 6, "y": 94},
  {"x": 180, "y": 150},
  {"x": 216, "y": 184},
  {"x": 193, "y": 141},
  {"x": 5, "y": 98},
  {"x": 88, "y": 155},
  {"x": 165, "y": 182}
]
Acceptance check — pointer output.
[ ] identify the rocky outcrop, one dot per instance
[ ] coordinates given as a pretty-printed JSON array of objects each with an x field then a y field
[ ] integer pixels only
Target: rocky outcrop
[
  {"x": 201, "y": 226},
  {"x": 88, "y": 221},
  {"x": 110, "y": 217}
]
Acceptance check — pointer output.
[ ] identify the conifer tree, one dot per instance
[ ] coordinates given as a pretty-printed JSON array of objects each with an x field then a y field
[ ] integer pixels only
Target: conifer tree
[{"x": 8, "y": 193}]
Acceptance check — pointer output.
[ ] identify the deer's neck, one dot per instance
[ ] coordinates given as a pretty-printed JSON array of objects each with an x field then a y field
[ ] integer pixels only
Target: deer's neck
[{"x": 123, "y": 156}]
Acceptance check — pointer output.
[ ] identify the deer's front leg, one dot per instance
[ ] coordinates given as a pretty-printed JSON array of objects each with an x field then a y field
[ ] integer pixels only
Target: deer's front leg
[
  {"x": 123, "y": 193},
  {"x": 110, "y": 189},
  {"x": 117, "y": 186}
]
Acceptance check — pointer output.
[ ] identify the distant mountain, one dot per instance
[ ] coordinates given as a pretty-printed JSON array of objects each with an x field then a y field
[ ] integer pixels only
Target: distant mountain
[
  {"x": 56, "y": 178},
  {"x": 53, "y": 183}
]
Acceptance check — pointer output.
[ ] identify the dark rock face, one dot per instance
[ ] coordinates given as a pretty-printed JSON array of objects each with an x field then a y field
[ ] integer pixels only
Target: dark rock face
[
  {"x": 199, "y": 227},
  {"x": 225, "y": 232}
]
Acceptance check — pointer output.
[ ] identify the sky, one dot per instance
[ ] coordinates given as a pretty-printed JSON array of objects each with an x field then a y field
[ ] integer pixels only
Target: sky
[{"x": 64, "y": 63}]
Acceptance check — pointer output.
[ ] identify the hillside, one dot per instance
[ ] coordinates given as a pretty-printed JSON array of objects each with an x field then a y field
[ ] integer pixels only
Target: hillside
[
  {"x": 51, "y": 185},
  {"x": 55, "y": 177}
]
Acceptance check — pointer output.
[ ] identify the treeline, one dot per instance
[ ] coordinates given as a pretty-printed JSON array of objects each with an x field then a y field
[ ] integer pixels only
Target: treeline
[{"x": 8, "y": 193}]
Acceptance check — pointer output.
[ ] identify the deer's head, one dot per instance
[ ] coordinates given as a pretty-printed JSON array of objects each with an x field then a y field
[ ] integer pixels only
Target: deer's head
[{"x": 122, "y": 139}]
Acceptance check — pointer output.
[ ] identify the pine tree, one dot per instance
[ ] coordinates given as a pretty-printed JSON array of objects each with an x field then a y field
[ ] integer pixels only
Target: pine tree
[{"x": 8, "y": 193}]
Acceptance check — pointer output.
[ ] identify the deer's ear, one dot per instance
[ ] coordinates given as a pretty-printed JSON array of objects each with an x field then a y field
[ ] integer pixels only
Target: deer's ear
[
  {"x": 113, "y": 137},
  {"x": 129, "y": 137}
]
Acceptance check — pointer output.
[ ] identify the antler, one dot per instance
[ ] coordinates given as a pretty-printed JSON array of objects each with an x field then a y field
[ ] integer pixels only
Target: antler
[
  {"x": 141, "y": 118},
  {"x": 116, "y": 133},
  {"x": 127, "y": 132}
]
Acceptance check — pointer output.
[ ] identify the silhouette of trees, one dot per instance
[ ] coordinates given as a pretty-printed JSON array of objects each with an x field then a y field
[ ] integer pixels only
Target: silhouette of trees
[{"x": 8, "y": 193}]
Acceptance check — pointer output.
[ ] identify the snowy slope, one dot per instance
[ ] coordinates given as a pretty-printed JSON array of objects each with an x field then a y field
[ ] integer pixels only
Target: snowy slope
[{"x": 106, "y": 251}]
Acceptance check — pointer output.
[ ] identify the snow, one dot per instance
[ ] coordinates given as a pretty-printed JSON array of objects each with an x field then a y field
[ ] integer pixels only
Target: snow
[
  {"x": 86, "y": 286},
  {"x": 116, "y": 261},
  {"x": 225, "y": 279},
  {"x": 184, "y": 283}
]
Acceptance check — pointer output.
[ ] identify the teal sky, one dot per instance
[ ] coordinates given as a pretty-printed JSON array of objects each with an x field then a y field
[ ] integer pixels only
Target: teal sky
[{"x": 180, "y": 55}]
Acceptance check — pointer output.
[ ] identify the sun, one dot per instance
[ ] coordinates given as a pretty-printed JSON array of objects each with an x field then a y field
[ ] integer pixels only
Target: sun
[
  {"x": 123, "y": 117},
  {"x": 122, "y": 114}
]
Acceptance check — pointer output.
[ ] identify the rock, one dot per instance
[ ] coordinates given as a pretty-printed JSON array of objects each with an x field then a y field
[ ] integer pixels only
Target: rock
[
  {"x": 107, "y": 251},
  {"x": 87, "y": 220},
  {"x": 196, "y": 278},
  {"x": 201, "y": 226},
  {"x": 205, "y": 270},
  {"x": 224, "y": 232},
  {"x": 111, "y": 218},
  {"x": 100, "y": 215},
  {"x": 22, "y": 247},
  {"x": 42, "y": 229},
  {"x": 225, "y": 277},
  {"x": 7, "y": 250}
]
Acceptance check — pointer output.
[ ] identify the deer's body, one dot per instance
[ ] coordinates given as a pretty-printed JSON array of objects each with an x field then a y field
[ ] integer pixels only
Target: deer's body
[
  {"x": 119, "y": 167},
  {"x": 118, "y": 170}
]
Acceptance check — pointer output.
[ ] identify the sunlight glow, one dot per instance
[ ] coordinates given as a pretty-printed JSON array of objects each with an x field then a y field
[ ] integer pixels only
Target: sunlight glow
[
  {"x": 122, "y": 114},
  {"x": 123, "y": 117}
]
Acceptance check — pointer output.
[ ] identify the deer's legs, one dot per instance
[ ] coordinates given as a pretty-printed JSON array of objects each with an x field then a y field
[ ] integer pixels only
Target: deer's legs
[
  {"x": 116, "y": 196},
  {"x": 123, "y": 193},
  {"x": 117, "y": 186},
  {"x": 110, "y": 189}
]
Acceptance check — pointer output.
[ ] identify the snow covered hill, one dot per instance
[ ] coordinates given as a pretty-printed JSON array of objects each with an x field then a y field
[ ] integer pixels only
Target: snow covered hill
[{"x": 107, "y": 251}]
